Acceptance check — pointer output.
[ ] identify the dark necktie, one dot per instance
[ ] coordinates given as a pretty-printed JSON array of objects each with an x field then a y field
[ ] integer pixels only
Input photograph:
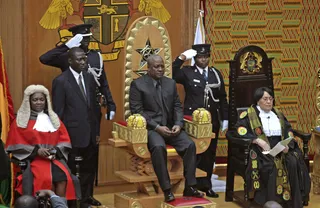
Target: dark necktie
[
  {"x": 164, "y": 115},
  {"x": 205, "y": 74},
  {"x": 81, "y": 86}
]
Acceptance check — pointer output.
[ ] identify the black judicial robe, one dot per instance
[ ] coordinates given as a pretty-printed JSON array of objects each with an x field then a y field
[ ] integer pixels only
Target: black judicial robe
[{"x": 298, "y": 175}]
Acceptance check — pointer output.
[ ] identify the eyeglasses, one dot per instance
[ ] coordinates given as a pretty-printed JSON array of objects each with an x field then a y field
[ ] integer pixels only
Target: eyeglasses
[{"x": 265, "y": 99}]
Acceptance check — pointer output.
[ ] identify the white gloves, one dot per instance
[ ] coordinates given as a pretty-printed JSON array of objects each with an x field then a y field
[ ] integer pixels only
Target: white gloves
[
  {"x": 75, "y": 41},
  {"x": 189, "y": 54},
  {"x": 224, "y": 125},
  {"x": 112, "y": 114}
]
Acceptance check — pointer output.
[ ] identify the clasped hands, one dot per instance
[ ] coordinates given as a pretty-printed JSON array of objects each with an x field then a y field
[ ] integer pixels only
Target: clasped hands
[
  {"x": 44, "y": 193},
  {"x": 265, "y": 146},
  {"x": 47, "y": 153},
  {"x": 166, "y": 132}
]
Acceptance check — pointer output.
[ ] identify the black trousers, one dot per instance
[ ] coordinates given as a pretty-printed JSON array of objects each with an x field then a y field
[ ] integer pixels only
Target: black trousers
[
  {"x": 205, "y": 162},
  {"x": 87, "y": 168},
  {"x": 185, "y": 148}
]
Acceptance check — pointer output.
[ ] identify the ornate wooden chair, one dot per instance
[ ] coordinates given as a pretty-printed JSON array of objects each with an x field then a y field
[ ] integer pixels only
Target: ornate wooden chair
[
  {"x": 146, "y": 36},
  {"x": 249, "y": 70}
]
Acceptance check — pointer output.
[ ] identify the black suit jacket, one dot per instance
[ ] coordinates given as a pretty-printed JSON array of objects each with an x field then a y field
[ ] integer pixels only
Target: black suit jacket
[
  {"x": 194, "y": 85},
  {"x": 76, "y": 112},
  {"x": 145, "y": 101},
  {"x": 58, "y": 57}
]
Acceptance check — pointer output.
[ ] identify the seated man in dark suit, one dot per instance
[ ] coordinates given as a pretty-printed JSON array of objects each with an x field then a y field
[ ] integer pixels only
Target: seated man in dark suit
[{"x": 155, "y": 97}]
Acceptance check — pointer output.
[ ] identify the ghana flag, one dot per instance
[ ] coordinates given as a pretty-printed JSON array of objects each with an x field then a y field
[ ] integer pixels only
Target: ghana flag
[{"x": 6, "y": 117}]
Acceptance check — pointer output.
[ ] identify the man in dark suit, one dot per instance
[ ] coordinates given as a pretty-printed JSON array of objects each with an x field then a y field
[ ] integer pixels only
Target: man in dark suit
[
  {"x": 58, "y": 57},
  {"x": 155, "y": 97},
  {"x": 74, "y": 101},
  {"x": 204, "y": 88}
]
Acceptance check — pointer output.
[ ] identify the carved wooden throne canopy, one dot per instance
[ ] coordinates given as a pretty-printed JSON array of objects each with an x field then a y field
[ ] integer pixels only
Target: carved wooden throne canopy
[
  {"x": 250, "y": 69},
  {"x": 146, "y": 36}
]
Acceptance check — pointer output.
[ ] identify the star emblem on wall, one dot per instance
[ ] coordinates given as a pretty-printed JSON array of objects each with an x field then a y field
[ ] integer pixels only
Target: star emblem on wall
[{"x": 145, "y": 52}]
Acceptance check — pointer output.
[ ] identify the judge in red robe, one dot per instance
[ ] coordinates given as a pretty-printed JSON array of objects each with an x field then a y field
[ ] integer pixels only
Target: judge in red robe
[{"x": 39, "y": 138}]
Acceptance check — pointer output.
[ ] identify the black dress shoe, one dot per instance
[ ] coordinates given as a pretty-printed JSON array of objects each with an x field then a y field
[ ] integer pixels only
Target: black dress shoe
[
  {"x": 212, "y": 194},
  {"x": 168, "y": 196},
  {"x": 190, "y": 191},
  {"x": 92, "y": 201},
  {"x": 85, "y": 205}
]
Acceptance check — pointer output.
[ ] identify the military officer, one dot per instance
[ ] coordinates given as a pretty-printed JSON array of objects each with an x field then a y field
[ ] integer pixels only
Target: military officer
[
  {"x": 204, "y": 88},
  {"x": 58, "y": 57}
]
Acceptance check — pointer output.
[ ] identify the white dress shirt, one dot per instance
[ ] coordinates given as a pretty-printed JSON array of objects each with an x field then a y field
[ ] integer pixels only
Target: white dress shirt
[{"x": 201, "y": 70}]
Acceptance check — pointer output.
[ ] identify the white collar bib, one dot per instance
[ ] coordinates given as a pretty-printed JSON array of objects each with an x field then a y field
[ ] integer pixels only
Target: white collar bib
[
  {"x": 270, "y": 123},
  {"x": 43, "y": 123}
]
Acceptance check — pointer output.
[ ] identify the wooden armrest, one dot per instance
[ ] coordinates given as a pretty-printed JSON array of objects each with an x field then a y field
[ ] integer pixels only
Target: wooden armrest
[
  {"x": 232, "y": 138},
  {"x": 304, "y": 136}
]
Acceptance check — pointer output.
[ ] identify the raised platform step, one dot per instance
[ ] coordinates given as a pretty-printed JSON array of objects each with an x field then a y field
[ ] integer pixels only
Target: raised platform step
[
  {"x": 132, "y": 177},
  {"x": 140, "y": 200}
]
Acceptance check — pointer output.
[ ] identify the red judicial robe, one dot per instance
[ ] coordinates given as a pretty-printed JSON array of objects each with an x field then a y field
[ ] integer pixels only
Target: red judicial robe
[{"x": 22, "y": 141}]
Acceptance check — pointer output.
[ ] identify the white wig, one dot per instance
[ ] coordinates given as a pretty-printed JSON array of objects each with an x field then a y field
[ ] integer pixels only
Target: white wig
[{"x": 24, "y": 111}]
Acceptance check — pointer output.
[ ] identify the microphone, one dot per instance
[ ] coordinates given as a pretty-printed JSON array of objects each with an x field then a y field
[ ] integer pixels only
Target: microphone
[{"x": 268, "y": 117}]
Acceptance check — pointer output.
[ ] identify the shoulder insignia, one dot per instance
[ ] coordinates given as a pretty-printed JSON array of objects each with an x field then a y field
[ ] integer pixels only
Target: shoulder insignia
[
  {"x": 242, "y": 131},
  {"x": 243, "y": 114}
]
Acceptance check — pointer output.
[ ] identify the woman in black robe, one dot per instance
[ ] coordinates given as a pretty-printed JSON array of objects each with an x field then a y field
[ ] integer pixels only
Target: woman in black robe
[{"x": 284, "y": 177}]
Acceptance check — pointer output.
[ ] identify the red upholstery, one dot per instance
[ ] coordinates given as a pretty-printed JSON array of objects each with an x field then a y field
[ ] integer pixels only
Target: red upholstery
[
  {"x": 122, "y": 123},
  {"x": 189, "y": 201},
  {"x": 187, "y": 117}
]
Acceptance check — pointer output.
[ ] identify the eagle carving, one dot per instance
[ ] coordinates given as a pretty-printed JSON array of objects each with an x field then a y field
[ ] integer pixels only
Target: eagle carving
[
  {"x": 156, "y": 8},
  {"x": 56, "y": 12}
]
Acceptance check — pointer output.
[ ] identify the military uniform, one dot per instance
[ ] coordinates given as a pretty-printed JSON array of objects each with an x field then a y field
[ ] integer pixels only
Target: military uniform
[{"x": 215, "y": 101}]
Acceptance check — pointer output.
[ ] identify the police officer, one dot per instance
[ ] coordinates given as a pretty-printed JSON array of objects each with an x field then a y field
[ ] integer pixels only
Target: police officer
[
  {"x": 204, "y": 88},
  {"x": 58, "y": 57}
]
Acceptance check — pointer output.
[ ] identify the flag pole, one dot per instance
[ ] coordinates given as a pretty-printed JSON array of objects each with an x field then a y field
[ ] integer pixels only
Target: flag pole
[{"x": 200, "y": 36}]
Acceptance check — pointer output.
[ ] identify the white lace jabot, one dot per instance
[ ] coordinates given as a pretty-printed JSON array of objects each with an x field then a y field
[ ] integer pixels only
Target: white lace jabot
[
  {"x": 270, "y": 123},
  {"x": 43, "y": 123}
]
